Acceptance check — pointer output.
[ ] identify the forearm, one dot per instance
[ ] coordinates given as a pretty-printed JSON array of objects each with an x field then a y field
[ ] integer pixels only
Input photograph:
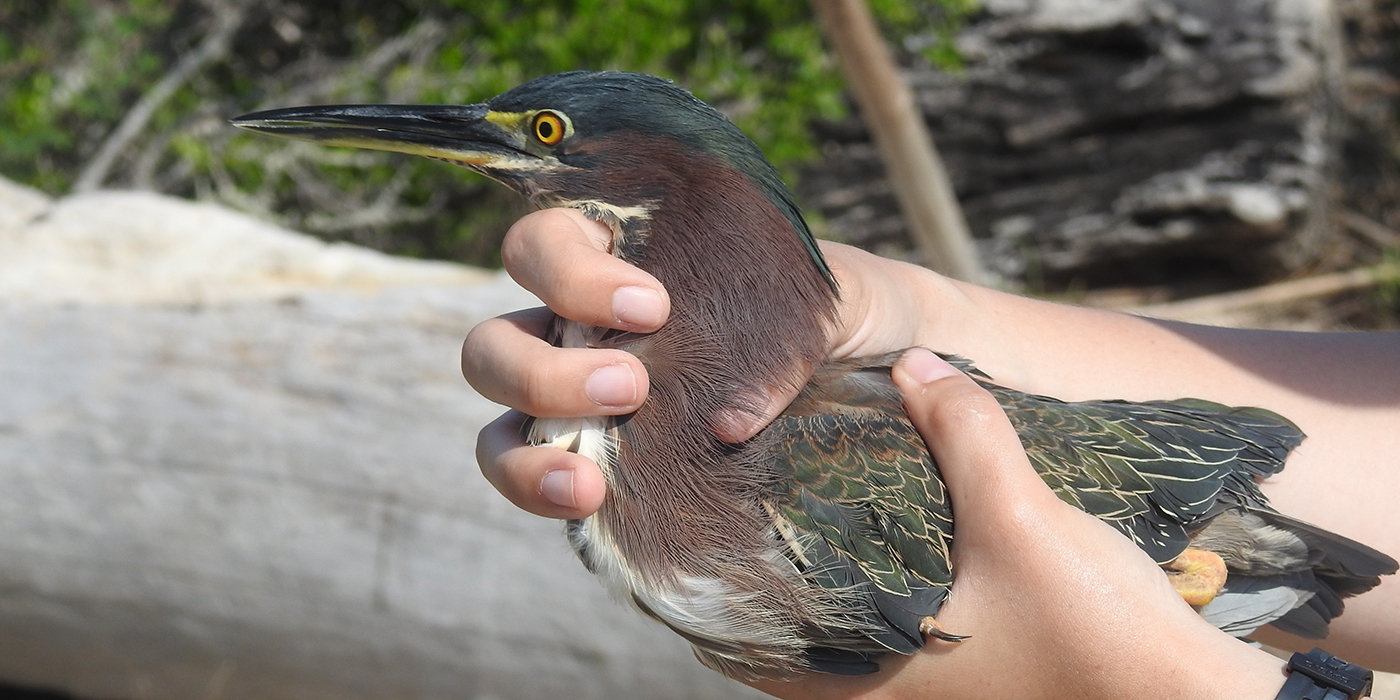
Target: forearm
[{"x": 1080, "y": 353}]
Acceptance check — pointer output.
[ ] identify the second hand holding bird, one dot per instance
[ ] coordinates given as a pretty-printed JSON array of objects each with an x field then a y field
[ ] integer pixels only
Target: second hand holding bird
[{"x": 1112, "y": 629}]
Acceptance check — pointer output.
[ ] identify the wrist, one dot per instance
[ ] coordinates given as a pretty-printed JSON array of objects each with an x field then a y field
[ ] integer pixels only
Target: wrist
[
  {"x": 1191, "y": 661},
  {"x": 1243, "y": 672},
  {"x": 968, "y": 320},
  {"x": 947, "y": 316},
  {"x": 1261, "y": 676}
]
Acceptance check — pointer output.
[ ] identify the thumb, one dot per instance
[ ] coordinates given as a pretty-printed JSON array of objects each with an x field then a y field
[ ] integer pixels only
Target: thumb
[
  {"x": 967, "y": 432},
  {"x": 738, "y": 425}
]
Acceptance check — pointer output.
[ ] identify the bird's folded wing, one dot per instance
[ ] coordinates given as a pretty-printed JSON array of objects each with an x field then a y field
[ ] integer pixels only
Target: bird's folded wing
[{"x": 1155, "y": 470}]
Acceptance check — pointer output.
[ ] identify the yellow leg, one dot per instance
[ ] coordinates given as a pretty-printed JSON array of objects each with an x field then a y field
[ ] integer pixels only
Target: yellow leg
[
  {"x": 930, "y": 628},
  {"x": 1197, "y": 575}
]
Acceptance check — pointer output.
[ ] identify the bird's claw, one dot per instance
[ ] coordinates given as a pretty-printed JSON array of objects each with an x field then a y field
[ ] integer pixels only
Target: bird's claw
[{"x": 929, "y": 627}]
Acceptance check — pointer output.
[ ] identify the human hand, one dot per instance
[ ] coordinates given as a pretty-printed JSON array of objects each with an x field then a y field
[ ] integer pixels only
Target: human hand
[
  {"x": 1057, "y": 603},
  {"x": 560, "y": 256}
]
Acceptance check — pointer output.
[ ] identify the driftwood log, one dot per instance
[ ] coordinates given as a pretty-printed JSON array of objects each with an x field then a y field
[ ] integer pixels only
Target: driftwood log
[{"x": 236, "y": 462}]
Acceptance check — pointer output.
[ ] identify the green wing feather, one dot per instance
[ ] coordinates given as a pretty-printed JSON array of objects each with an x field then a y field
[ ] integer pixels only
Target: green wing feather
[
  {"x": 859, "y": 477},
  {"x": 862, "y": 510},
  {"x": 1155, "y": 470}
]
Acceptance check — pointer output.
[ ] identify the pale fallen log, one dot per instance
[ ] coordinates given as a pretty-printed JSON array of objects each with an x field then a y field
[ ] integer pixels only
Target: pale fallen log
[{"x": 238, "y": 464}]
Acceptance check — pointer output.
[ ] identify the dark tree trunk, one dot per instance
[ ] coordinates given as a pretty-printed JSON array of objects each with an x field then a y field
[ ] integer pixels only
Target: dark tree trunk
[{"x": 1099, "y": 142}]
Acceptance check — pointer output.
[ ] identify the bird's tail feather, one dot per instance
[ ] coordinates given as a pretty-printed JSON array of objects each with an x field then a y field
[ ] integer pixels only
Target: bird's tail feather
[{"x": 1343, "y": 557}]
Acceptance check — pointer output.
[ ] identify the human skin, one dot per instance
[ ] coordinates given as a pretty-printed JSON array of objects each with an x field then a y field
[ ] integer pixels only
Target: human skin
[{"x": 1342, "y": 389}]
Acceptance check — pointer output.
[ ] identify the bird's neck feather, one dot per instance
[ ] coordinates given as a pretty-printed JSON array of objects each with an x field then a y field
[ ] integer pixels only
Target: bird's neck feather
[
  {"x": 750, "y": 310},
  {"x": 733, "y": 264}
]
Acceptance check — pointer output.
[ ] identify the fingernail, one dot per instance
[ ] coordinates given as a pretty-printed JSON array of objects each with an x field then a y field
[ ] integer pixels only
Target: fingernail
[
  {"x": 557, "y": 487},
  {"x": 923, "y": 366},
  {"x": 740, "y": 424},
  {"x": 639, "y": 307},
  {"x": 613, "y": 385},
  {"x": 735, "y": 425}
]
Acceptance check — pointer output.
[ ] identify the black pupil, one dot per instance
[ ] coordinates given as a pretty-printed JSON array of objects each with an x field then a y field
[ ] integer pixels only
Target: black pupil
[{"x": 546, "y": 129}]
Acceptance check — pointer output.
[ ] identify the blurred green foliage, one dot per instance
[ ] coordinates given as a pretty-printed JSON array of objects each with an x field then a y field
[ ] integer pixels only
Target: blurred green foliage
[{"x": 70, "y": 70}]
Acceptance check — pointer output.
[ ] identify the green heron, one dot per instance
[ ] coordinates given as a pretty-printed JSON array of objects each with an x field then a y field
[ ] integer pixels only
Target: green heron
[{"x": 821, "y": 543}]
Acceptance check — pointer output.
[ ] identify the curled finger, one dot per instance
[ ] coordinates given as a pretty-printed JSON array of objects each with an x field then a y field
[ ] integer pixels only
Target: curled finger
[
  {"x": 541, "y": 480},
  {"x": 506, "y": 361},
  {"x": 562, "y": 257}
]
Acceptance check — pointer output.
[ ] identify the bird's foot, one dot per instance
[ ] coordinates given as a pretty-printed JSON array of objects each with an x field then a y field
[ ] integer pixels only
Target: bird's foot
[
  {"x": 1197, "y": 575},
  {"x": 930, "y": 628}
]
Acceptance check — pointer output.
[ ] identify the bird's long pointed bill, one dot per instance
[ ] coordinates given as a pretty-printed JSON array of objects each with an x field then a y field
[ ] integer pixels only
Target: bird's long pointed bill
[{"x": 461, "y": 133}]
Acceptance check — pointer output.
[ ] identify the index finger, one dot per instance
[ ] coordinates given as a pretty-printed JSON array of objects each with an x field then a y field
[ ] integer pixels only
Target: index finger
[{"x": 561, "y": 256}]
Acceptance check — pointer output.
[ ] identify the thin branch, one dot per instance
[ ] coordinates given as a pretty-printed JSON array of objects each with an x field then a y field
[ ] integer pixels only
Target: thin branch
[
  {"x": 429, "y": 33},
  {"x": 385, "y": 210},
  {"x": 912, "y": 164},
  {"x": 228, "y": 18},
  {"x": 1216, "y": 306},
  {"x": 1382, "y": 236}
]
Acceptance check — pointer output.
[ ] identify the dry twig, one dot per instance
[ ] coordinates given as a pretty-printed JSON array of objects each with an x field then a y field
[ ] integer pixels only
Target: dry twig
[
  {"x": 912, "y": 164},
  {"x": 1382, "y": 236},
  {"x": 1218, "y": 306},
  {"x": 228, "y": 18}
]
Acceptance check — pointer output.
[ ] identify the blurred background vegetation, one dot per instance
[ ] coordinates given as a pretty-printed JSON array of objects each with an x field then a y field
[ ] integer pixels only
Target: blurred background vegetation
[{"x": 136, "y": 94}]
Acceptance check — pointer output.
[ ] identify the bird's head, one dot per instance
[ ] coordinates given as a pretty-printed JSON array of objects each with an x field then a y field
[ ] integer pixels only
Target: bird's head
[{"x": 609, "y": 143}]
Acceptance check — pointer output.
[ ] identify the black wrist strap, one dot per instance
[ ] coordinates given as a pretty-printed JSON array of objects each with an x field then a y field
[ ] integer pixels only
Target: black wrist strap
[{"x": 1318, "y": 675}]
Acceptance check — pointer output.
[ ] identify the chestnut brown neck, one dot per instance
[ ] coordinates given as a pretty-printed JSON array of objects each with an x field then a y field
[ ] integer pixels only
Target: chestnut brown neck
[{"x": 750, "y": 310}]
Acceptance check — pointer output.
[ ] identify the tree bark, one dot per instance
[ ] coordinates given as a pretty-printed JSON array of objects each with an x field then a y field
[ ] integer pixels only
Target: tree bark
[{"x": 1116, "y": 142}]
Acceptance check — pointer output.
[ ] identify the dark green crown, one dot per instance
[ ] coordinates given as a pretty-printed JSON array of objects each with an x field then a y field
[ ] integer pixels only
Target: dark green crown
[{"x": 606, "y": 102}]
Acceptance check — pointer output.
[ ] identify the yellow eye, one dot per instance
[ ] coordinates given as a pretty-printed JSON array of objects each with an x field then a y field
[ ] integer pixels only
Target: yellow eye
[{"x": 549, "y": 128}]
